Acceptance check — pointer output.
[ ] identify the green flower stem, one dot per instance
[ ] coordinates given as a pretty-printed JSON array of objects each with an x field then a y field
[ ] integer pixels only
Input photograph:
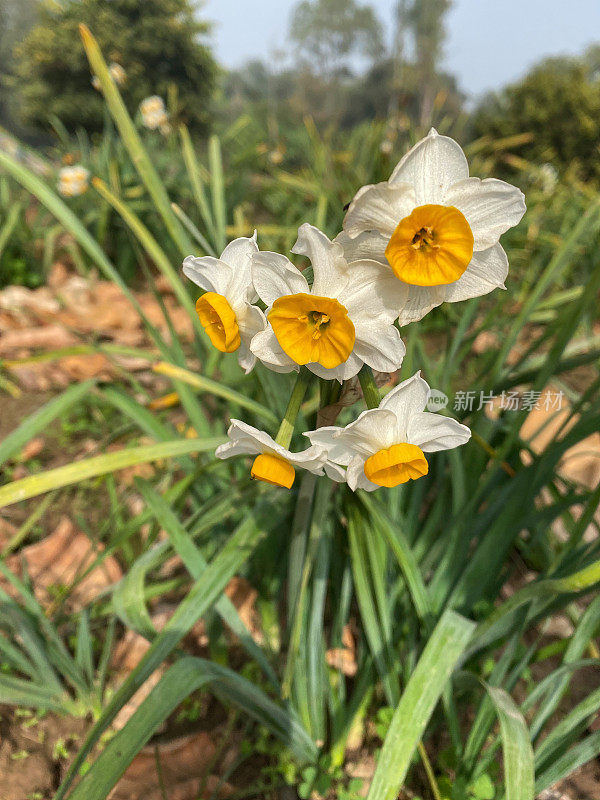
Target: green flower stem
[
  {"x": 316, "y": 531},
  {"x": 369, "y": 387},
  {"x": 286, "y": 429},
  {"x": 429, "y": 771}
]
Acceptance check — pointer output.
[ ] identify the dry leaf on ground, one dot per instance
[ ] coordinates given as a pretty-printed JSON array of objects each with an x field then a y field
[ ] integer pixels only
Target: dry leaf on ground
[{"x": 58, "y": 561}]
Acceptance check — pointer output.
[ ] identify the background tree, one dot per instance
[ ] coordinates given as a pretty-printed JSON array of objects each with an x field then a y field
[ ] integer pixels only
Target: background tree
[
  {"x": 423, "y": 22},
  {"x": 328, "y": 33},
  {"x": 17, "y": 17},
  {"x": 558, "y": 103},
  {"x": 383, "y": 93},
  {"x": 158, "y": 42}
]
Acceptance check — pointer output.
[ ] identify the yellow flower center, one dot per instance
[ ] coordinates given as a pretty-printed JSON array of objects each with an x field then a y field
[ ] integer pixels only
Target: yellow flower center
[
  {"x": 430, "y": 247},
  {"x": 219, "y": 321},
  {"x": 396, "y": 464},
  {"x": 274, "y": 470},
  {"x": 312, "y": 329}
]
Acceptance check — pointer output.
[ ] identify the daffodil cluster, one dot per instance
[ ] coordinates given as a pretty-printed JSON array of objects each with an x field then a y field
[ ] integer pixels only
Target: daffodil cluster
[{"x": 428, "y": 235}]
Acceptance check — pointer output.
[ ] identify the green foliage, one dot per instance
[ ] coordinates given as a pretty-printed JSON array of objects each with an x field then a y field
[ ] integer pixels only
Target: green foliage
[
  {"x": 20, "y": 260},
  {"x": 558, "y": 105},
  {"x": 157, "y": 42},
  {"x": 417, "y": 574},
  {"x": 17, "y": 17}
]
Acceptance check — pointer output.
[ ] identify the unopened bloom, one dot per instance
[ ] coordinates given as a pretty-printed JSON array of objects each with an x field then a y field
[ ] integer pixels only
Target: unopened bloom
[
  {"x": 273, "y": 463},
  {"x": 343, "y": 320},
  {"x": 386, "y": 446},
  {"x": 434, "y": 227},
  {"x": 225, "y": 310},
  {"x": 73, "y": 181},
  {"x": 154, "y": 113}
]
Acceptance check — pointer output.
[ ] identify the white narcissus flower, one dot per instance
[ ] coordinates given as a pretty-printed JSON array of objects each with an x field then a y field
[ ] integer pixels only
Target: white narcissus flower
[
  {"x": 225, "y": 310},
  {"x": 73, "y": 181},
  {"x": 386, "y": 446},
  {"x": 343, "y": 320},
  {"x": 154, "y": 113},
  {"x": 273, "y": 463},
  {"x": 436, "y": 228}
]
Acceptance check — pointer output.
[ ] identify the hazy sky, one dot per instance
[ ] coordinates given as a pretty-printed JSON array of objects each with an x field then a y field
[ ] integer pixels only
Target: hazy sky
[{"x": 490, "y": 42}]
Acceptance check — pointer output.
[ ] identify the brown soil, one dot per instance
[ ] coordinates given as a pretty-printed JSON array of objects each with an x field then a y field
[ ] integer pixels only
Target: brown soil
[
  {"x": 32, "y": 752},
  {"x": 16, "y": 409}
]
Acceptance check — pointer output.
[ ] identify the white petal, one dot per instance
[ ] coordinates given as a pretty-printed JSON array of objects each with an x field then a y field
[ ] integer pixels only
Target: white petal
[
  {"x": 490, "y": 206},
  {"x": 244, "y": 439},
  {"x": 250, "y": 320},
  {"x": 487, "y": 271},
  {"x": 326, "y": 257},
  {"x": 381, "y": 347},
  {"x": 348, "y": 369},
  {"x": 246, "y": 358},
  {"x": 268, "y": 350},
  {"x": 366, "y": 246},
  {"x": 356, "y": 478},
  {"x": 335, "y": 472},
  {"x": 374, "y": 293},
  {"x": 247, "y": 440},
  {"x": 408, "y": 399},
  {"x": 379, "y": 207},
  {"x": 328, "y": 437},
  {"x": 373, "y": 430},
  {"x": 421, "y": 299},
  {"x": 433, "y": 432},
  {"x": 431, "y": 167},
  {"x": 274, "y": 276},
  {"x": 313, "y": 459},
  {"x": 238, "y": 254},
  {"x": 210, "y": 274}
]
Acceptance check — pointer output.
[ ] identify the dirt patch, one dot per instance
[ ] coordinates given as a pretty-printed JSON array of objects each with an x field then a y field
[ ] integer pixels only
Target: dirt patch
[
  {"x": 15, "y": 409},
  {"x": 34, "y": 752}
]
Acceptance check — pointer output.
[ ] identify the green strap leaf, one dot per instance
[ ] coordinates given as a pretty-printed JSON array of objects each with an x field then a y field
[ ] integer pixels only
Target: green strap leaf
[
  {"x": 40, "y": 420},
  {"x": 195, "y": 563},
  {"x": 574, "y": 758},
  {"x": 183, "y": 678},
  {"x": 133, "y": 143},
  {"x": 405, "y": 557},
  {"x": 214, "y": 387},
  {"x": 100, "y": 465},
  {"x": 426, "y": 684},
  {"x": 516, "y": 746},
  {"x": 202, "y": 596}
]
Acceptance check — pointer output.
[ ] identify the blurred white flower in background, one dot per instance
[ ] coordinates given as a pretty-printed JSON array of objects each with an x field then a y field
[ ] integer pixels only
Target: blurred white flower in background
[
  {"x": 548, "y": 178},
  {"x": 73, "y": 181},
  {"x": 154, "y": 114},
  {"x": 117, "y": 73}
]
